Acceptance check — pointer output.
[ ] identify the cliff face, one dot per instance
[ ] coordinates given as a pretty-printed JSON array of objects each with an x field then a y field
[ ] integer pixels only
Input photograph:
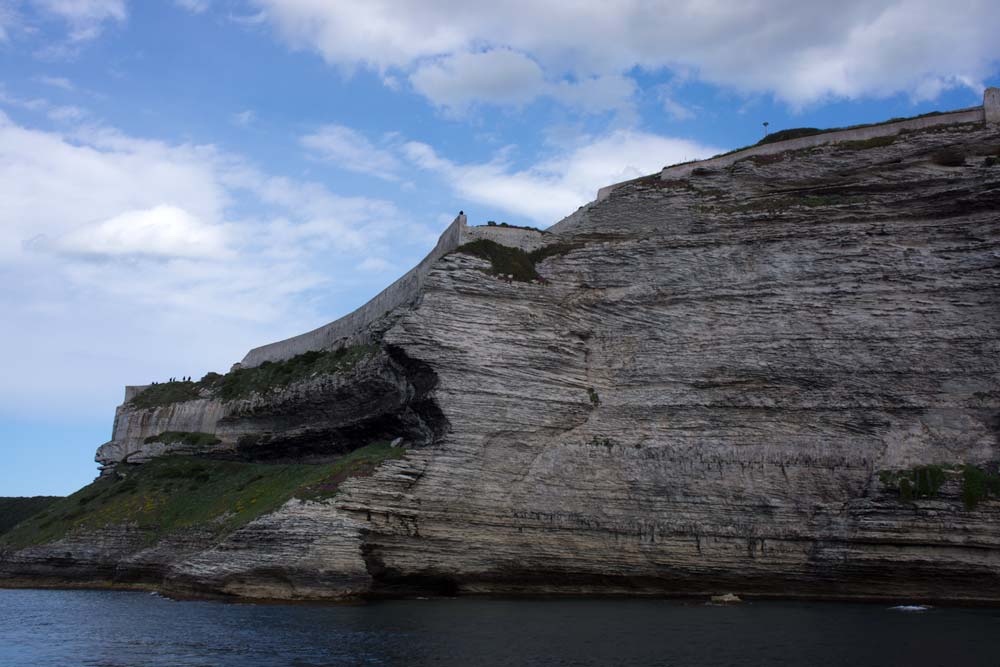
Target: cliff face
[{"x": 777, "y": 378}]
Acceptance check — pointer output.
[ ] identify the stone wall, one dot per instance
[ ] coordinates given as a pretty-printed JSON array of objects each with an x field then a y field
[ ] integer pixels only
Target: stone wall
[
  {"x": 354, "y": 328},
  {"x": 991, "y": 105},
  {"x": 515, "y": 237},
  {"x": 989, "y": 112}
]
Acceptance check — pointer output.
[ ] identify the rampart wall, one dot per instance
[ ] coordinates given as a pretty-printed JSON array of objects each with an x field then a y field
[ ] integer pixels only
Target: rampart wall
[
  {"x": 353, "y": 328},
  {"x": 514, "y": 237},
  {"x": 356, "y": 327},
  {"x": 989, "y": 112}
]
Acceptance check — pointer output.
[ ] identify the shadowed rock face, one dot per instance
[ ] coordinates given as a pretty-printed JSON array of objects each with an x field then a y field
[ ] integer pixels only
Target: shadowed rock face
[{"x": 700, "y": 398}]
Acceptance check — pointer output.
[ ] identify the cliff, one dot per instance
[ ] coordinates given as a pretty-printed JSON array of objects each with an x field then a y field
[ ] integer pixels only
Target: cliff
[{"x": 773, "y": 376}]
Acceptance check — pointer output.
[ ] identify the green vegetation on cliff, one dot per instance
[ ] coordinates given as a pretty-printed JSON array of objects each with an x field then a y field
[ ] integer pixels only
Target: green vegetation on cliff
[
  {"x": 14, "y": 510},
  {"x": 189, "y": 438},
  {"x": 175, "y": 493},
  {"x": 243, "y": 382},
  {"x": 920, "y": 482},
  {"x": 507, "y": 261},
  {"x": 978, "y": 484}
]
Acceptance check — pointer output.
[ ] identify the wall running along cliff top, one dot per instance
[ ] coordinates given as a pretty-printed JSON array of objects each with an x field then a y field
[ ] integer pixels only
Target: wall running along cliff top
[
  {"x": 357, "y": 326},
  {"x": 774, "y": 375}
]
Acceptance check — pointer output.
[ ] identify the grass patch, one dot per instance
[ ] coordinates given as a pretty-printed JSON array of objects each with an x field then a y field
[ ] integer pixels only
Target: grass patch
[
  {"x": 866, "y": 144},
  {"x": 507, "y": 261},
  {"x": 493, "y": 223},
  {"x": 977, "y": 485},
  {"x": 504, "y": 260},
  {"x": 15, "y": 510},
  {"x": 175, "y": 493},
  {"x": 243, "y": 382},
  {"x": 165, "y": 393},
  {"x": 811, "y": 131},
  {"x": 915, "y": 483},
  {"x": 189, "y": 438},
  {"x": 792, "y": 133},
  {"x": 594, "y": 398}
]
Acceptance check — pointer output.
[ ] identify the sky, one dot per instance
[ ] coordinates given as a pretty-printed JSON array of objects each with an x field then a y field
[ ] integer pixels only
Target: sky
[{"x": 183, "y": 180}]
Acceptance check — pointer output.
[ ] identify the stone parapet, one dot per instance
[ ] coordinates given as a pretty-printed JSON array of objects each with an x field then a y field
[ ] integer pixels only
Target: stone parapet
[
  {"x": 353, "y": 328},
  {"x": 991, "y": 105},
  {"x": 988, "y": 112},
  {"x": 356, "y": 327},
  {"x": 514, "y": 237}
]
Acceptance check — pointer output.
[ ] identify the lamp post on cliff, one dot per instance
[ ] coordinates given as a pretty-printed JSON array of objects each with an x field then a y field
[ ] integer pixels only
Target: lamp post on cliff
[{"x": 765, "y": 127}]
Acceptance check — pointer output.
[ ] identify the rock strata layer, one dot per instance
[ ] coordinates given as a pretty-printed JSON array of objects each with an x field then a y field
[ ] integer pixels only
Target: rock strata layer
[{"x": 699, "y": 398}]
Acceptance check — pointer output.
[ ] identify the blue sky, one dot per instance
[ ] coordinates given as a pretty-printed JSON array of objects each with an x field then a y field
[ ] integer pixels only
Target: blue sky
[{"x": 183, "y": 180}]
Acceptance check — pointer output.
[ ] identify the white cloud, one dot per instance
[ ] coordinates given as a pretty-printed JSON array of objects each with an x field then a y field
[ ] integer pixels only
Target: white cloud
[
  {"x": 163, "y": 231},
  {"x": 506, "y": 77},
  {"x": 31, "y": 104},
  {"x": 7, "y": 18},
  {"x": 85, "y": 18},
  {"x": 58, "y": 82},
  {"x": 193, "y": 6},
  {"x": 596, "y": 94},
  {"x": 376, "y": 264},
  {"x": 124, "y": 260},
  {"x": 66, "y": 114},
  {"x": 801, "y": 51},
  {"x": 500, "y": 76},
  {"x": 244, "y": 118},
  {"x": 555, "y": 187},
  {"x": 350, "y": 150}
]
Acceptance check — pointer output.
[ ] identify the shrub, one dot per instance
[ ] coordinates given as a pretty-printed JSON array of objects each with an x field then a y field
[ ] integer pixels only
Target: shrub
[
  {"x": 948, "y": 157},
  {"x": 15, "y": 510},
  {"x": 793, "y": 133},
  {"x": 925, "y": 482},
  {"x": 165, "y": 393},
  {"x": 594, "y": 398},
  {"x": 243, "y": 382},
  {"x": 866, "y": 144},
  {"x": 916, "y": 483},
  {"x": 977, "y": 485},
  {"x": 189, "y": 438},
  {"x": 507, "y": 261}
]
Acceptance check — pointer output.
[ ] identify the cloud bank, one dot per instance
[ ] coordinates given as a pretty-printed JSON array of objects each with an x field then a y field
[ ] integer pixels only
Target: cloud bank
[{"x": 513, "y": 52}]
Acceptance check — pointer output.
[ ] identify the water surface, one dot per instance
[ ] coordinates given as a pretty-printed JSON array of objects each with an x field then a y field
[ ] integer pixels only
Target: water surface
[{"x": 105, "y": 628}]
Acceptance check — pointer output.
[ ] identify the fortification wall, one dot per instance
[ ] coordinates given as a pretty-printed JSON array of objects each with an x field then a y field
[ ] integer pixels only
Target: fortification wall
[
  {"x": 989, "y": 112},
  {"x": 991, "y": 105},
  {"x": 354, "y": 328},
  {"x": 514, "y": 237},
  {"x": 974, "y": 115}
]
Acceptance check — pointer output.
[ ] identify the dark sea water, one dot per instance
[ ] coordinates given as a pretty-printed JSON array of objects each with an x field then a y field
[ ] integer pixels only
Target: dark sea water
[{"x": 66, "y": 628}]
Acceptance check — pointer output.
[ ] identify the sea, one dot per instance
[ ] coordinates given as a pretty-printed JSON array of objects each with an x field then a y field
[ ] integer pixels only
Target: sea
[{"x": 116, "y": 628}]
